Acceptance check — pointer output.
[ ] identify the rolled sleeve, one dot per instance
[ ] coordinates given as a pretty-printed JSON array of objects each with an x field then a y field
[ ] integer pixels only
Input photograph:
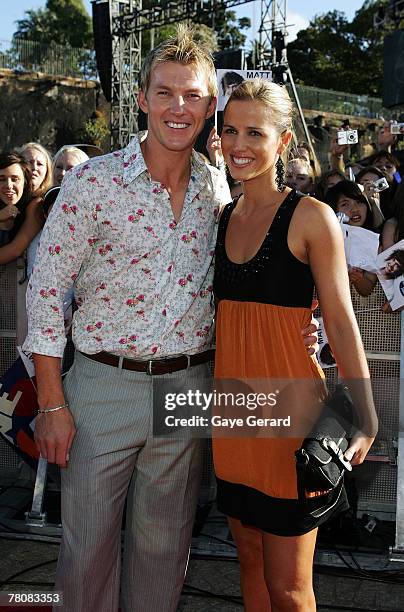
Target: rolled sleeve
[{"x": 66, "y": 239}]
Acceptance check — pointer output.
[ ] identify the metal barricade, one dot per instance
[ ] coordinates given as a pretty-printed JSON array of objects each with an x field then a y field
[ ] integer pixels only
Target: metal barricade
[
  {"x": 381, "y": 478},
  {"x": 12, "y": 332}
]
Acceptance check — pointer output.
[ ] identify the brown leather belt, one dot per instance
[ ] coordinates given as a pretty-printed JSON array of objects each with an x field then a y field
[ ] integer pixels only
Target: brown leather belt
[{"x": 153, "y": 366}]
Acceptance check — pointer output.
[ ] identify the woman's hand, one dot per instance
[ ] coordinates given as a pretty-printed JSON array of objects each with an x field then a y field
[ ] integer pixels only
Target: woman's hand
[
  {"x": 335, "y": 148},
  {"x": 355, "y": 274},
  {"x": 310, "y": 333},
  {"x": 358, "y": 449},
  {"x": 8, "y": 212},
  {"x": 214, "y": 147}
]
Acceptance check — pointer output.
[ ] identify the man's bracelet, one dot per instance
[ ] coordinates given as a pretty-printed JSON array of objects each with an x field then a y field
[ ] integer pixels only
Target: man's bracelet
[{"x": 44, "y": 410}]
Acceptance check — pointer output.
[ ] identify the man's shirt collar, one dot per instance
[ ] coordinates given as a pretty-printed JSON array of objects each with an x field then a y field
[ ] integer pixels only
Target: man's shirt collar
[{"x": 134, "y": 163}]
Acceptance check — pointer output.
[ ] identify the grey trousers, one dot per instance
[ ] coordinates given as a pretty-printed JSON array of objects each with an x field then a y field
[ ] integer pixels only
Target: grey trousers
[{"x": 115, "y": 457}]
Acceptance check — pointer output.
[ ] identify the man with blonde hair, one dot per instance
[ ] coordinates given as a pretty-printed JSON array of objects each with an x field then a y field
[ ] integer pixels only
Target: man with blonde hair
[{"x": 135, "y": 231}]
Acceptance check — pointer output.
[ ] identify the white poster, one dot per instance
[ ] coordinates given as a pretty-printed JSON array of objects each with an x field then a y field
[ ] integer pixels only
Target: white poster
[
  {"x": 361, "y": 246},
  {"x": 227, "y": 80},
  {"x": 390, "y": 270},
  {"x": 324, "y": 355}
]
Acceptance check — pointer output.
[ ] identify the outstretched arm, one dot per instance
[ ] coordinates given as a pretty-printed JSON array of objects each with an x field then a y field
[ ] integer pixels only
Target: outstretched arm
[
  {"x": 325, "y": 249},
  {"x": 33, "y": 223}
]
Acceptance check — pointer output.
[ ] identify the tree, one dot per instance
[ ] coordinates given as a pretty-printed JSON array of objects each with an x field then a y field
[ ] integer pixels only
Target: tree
[
  {"x": 227, "y": 27},
  {"x": 333, "y": 53},
  {"x": 65, "y": 22},
  {"x": 202, "y": 34},
  {"x": 219, "y": 31}
]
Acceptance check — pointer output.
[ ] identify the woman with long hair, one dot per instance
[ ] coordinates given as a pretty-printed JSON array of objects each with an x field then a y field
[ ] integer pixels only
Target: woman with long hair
[
  {"x": 274, "y": 245},
  {"x": 21, "y": 216},
  {"x": 15, "y": 189},
  {"x": 40, "y": 165}
]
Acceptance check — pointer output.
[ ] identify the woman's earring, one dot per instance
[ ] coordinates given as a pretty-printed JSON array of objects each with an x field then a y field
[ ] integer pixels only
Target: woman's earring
[{"x": 280, "y": 175}]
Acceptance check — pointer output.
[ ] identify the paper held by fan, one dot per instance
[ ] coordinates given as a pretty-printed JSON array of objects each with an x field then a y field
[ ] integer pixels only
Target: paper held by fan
[
  {"x": 361, "y": 246},
  {"x": 325, "y": 355},
  {"x": 390, "y": 271}
]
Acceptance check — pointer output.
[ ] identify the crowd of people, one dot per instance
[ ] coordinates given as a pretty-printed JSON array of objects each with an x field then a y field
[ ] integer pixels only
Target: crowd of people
[
  {"x": 28, "y": 179},
  {"x": 135, "y": 232}
]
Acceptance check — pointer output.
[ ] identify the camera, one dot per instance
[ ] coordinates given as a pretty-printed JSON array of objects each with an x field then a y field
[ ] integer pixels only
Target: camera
[
  {"x": 347, "y": 137},
  {"x": 397, "y": 128},
  {"x": 342, "y": 217},
  {"x": 380, "y": 185}
]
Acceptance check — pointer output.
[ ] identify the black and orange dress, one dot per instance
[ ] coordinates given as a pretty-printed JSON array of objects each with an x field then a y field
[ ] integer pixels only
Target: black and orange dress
[{"x": 263, "y": 305}]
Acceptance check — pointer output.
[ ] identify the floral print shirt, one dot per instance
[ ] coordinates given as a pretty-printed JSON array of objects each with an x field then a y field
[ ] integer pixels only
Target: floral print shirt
[{"x": 142, "y": 282}]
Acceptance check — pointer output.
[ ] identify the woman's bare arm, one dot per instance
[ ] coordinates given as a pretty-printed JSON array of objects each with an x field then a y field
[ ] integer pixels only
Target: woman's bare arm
[
  {"x": 33, "y": 223},
  {"x": 325, "y": 251}
]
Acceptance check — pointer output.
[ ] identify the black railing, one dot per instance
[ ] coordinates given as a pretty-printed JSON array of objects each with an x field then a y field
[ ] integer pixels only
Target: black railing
[{"x": 52, "y": 59}]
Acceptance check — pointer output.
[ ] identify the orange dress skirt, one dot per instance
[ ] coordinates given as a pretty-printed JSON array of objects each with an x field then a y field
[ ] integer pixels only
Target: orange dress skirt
[{"x": 259, "y": 325}]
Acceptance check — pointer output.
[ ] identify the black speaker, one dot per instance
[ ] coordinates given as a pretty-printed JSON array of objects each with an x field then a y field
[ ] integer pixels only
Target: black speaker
[
  {"x": 103, "y": 45},
  {"x": 229, "y": 59},
  {"x": 393, "y": 69}
]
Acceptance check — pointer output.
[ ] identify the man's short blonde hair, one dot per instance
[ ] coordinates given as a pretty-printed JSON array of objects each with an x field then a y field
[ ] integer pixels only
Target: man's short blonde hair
[{"x": 181, "y": 48}]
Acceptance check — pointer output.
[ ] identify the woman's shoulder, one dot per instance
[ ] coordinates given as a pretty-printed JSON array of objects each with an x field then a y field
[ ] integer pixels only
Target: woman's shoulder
[
  {"x": 311, "y": 210},
  {"x": 226, "y": 209},
  {"x": 391, "y": 223}
]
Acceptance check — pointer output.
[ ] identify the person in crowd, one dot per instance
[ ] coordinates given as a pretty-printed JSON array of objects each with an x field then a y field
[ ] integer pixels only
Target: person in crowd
[
  {"x": 269, "y": 254},
  {"x": 304, "y": 151},
  {"x": 21, "y": 216},
  {"x": 367, "y": 177},
  {"x": 135, "y": 230},
  {"x": 385, "y": 139},
  {"x": 300, "y": 175},
  {"x": 389, "y": 165},
  {"x": 378, "y": 199},
  {"x": 64, "y": 160},
  {"x": 48, "y": 201},
  {"x": 352, "y": 169},
  {"x": 393, "y": 229},
  {"x": 40, "y": 164},
  {"x": 348, "y": 198},
  {"x": 14, "y": 188},
  {"x": 326, "y": 181}
]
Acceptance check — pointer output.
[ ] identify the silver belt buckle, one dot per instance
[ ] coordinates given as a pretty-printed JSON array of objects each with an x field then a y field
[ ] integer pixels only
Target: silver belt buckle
[{"x": 149, "y": 368}]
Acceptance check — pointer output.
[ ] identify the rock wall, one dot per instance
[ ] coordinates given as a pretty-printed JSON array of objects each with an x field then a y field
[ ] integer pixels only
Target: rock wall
[{"x": 45, "y": 109}]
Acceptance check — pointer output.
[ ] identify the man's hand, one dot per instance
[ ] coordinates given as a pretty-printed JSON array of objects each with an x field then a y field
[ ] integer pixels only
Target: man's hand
[
  {"x": 309, "y": 333},
  {"x": 54, "y": 433}
]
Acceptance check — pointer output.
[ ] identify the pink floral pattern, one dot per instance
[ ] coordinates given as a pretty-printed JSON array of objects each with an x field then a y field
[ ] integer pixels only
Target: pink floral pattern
[{"x": 142, "y": 281}]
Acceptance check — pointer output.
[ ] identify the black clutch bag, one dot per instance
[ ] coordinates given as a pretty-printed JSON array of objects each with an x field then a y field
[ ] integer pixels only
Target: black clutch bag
[{"x": 320, "y": 462}]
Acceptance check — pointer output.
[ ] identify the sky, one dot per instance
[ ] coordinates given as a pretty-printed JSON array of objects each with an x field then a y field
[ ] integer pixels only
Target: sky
[{"x": 298, "y": 16}]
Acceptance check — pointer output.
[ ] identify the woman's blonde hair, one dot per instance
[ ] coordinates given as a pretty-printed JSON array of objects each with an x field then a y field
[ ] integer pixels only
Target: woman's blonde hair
[
  {"x": 48, "y": 180},
  {"x": 274, "y": 97},
  {"x": 80, "y": 155}
]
